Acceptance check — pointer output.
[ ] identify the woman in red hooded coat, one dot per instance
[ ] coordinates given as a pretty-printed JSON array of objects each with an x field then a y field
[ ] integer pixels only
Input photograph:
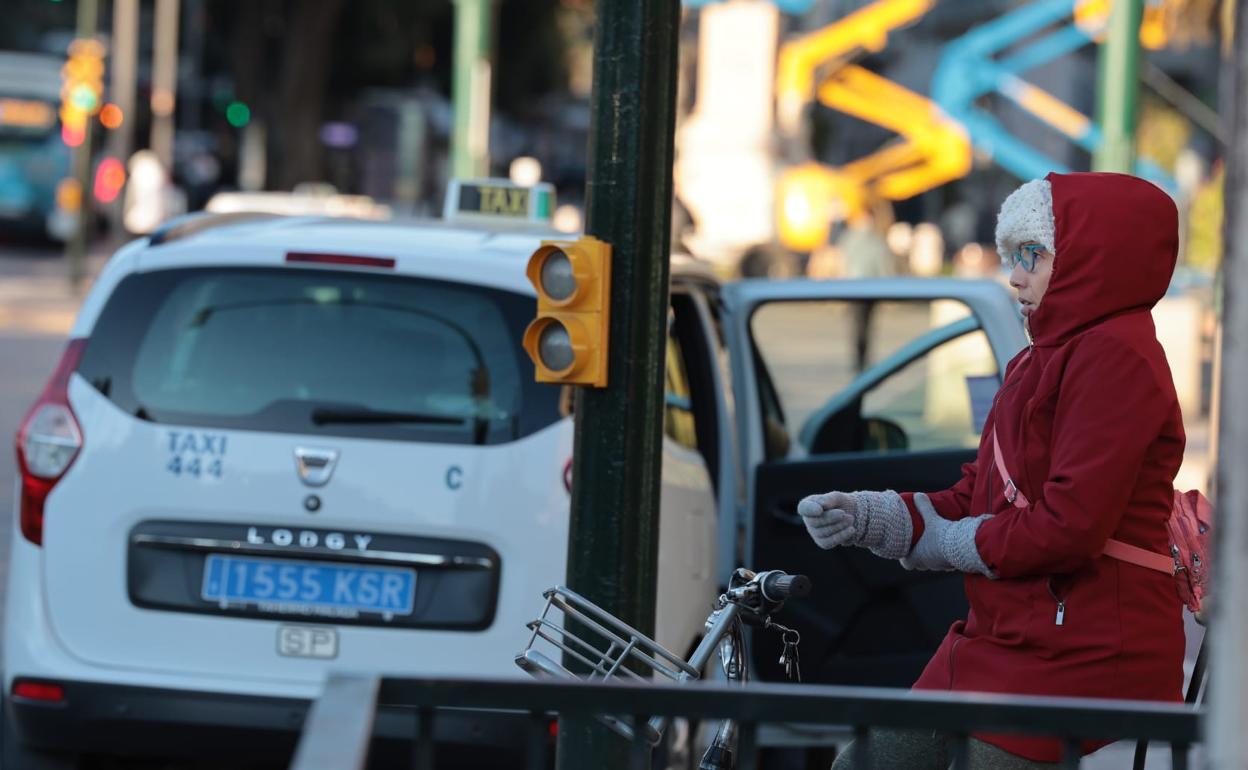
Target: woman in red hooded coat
[{"x": 1091, "y": 435}]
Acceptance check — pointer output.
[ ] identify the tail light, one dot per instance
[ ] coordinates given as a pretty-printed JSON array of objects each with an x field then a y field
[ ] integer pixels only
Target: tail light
[
  {"x": 46, "y": 692},
  {"x": 47, "y": 443}
]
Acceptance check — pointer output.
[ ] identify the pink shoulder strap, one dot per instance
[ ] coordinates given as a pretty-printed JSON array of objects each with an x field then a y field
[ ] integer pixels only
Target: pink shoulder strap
[
  {"x": 1142, "y": 557},
  {"x": 1012, "y": 493},
  {"x": 1115, "y": 549}
]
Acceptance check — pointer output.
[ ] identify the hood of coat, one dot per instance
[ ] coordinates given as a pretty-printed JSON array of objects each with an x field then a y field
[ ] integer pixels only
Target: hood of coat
[{"x": 1117, "y": 239}]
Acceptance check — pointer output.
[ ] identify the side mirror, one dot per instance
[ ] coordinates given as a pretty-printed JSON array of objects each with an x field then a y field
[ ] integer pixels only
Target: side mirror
[{"x": 881, "y": 435}]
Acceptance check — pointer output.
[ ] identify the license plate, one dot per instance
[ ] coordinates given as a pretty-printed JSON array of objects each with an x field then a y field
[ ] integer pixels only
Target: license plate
[
  {"x": 307, "y": 642},
  {"x": 308, "y": 587}
]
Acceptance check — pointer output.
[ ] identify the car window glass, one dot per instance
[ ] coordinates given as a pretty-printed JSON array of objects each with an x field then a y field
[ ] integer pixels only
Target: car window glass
[
  {"x": 678, "y": 422},
  {"x": 858, "y": 375},
  {"x": 280, "y": 349}
]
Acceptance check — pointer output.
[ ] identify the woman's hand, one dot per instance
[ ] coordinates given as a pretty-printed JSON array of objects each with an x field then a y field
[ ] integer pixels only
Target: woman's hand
[
  {"x": 946, "y": 545},
  {"x": 829, "y": 518},
  {"x": 877, "y": 521}
]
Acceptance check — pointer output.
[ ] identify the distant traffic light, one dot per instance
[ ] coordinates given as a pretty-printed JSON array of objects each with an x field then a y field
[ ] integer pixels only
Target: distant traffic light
[
  {"x": 568, "y": 341},
  {"x": 238, "y": 114},
  {"x": 82, "y": 88}
]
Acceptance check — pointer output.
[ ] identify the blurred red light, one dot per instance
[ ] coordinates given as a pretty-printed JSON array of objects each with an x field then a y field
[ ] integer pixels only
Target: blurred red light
[
  {"x": 111, "y": 116},
  {"x": 72, "y": 136},
  {"x": 110, "y": 177}
]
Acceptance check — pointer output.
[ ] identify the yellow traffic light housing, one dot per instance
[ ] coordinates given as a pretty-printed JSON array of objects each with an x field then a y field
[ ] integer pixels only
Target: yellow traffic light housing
[{"x": 568, "y": 339}]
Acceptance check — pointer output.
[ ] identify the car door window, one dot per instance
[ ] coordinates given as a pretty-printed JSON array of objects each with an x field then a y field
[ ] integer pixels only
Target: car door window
[
  {"x": 871, "y": 375},
  {"x": 678, "y": 421}
]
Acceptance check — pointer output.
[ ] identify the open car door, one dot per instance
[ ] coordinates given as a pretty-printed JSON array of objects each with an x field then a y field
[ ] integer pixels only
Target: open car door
[{"x": 859, "y": 385}]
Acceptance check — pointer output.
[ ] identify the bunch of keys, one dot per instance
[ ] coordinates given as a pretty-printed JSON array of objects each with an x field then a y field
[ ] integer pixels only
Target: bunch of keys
[{"x": 788, "y": 656}]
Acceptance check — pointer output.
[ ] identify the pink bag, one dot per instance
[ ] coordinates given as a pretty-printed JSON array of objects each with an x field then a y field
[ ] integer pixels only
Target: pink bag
[{"x": 1190, "y": 527}]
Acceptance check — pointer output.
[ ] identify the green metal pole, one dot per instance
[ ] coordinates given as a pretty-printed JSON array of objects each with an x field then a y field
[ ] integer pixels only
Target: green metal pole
[
  {"x": 470, "y": 89},
  {"x": 1118, "y": 88},
  {"x": 613, "y": 538},
  {"x": 76, "y": 247}
]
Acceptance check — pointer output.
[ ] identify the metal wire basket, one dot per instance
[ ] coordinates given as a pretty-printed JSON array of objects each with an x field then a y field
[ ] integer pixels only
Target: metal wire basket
[{"x": 601, "y": 647}]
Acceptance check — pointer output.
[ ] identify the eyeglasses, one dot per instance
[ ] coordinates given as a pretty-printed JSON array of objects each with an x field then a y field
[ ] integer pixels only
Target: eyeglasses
[{"x": 1026, "y": 255}]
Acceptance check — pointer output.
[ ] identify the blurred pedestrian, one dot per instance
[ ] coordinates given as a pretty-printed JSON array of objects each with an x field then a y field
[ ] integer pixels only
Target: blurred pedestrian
[
  {"x": 927, "y": 250},
  {"x": 863, "y": 248},
  {"x": 1081, "y": 447},
  {"x": 865, "y": 254}
]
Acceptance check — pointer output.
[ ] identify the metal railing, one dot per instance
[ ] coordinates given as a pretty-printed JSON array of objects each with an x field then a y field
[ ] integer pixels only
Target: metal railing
[{"x": 337, "y": 733}]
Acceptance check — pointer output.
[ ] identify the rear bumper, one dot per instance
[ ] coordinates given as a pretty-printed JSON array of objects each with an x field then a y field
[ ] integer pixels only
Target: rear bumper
[{"x": 125, "y": 720}]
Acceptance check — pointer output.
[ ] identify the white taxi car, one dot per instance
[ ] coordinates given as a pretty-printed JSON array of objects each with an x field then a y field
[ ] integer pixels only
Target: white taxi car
[{"x": 276, "y": 446}]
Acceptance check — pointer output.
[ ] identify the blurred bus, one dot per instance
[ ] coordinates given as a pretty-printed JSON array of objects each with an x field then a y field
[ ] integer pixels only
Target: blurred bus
[{"x": 33, "y": 158}]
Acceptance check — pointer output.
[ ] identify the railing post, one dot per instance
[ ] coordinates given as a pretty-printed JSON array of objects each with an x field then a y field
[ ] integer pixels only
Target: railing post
[
  {"x": 862, "y": 747},
  {"x": 339, "y": 726},
  {"x": 1072, "y": 751},
  {"x": 423, "y": 751},
  {"x": 961, "y": 751},
  {"x": 747, "y": 746},
  {"x": 539, "y": 724},
  {"x": 639, "y": 751},
  {"x": 1178, "y": 756}
]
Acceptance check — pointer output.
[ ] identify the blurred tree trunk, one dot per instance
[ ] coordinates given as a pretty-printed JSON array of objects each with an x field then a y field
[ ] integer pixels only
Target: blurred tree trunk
[{"x": 303, "y": 79}]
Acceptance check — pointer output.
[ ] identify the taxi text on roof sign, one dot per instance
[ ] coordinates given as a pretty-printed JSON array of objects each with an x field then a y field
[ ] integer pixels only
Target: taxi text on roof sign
[{"x": 498, "y": 199}]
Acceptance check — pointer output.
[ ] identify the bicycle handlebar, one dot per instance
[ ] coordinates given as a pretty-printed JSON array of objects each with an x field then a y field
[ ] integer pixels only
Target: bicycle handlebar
[{"x": 778, "y": 586}]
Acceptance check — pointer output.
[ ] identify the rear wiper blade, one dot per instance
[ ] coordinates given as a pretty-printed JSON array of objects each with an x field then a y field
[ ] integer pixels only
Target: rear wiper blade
[{"x": 326, "y": 416}]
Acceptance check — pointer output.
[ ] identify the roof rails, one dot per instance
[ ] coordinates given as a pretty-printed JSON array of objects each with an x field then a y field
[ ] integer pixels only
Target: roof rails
[{"x": 189, "y": 224}]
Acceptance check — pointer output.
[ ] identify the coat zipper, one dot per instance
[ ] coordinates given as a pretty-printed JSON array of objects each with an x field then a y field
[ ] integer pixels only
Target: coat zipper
[{"x": 1061, "y": 604}]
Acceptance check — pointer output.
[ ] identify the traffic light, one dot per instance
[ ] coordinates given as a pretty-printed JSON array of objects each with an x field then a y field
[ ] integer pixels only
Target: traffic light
[
  {"x": 568, "y": 339},
  {"x": 82, "y": 88}
]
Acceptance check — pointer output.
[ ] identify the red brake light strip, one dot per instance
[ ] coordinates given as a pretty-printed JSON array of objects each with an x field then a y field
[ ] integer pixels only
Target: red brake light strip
[{"x": 339, "y": 259}]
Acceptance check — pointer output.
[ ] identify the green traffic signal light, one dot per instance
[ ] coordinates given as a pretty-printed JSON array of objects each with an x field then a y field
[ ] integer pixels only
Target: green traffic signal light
[
  {"x": 84, "y": 98},
  {"x": 238, "y": 114}
]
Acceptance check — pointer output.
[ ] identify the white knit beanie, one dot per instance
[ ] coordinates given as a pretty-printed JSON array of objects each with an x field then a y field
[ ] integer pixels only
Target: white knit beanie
[{"x": 1027, "y": 215}]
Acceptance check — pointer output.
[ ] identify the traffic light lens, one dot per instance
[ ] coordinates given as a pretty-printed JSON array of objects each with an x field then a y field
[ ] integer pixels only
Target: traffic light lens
[
  {"x": 557, "y": 279},
  {"x": 554, "y": 346}
]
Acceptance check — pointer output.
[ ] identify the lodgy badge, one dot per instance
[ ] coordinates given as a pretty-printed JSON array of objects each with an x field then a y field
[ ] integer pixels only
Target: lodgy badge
[{"x": 306, "y": 538}]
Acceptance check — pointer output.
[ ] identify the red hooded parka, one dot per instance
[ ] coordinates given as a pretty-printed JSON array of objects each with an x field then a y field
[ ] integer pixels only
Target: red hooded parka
[{"x": 1091, "y": 433}]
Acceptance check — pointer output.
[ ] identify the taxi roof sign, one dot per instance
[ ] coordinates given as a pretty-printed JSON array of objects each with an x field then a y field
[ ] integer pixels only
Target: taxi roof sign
[{"x": 499, "y": 199}]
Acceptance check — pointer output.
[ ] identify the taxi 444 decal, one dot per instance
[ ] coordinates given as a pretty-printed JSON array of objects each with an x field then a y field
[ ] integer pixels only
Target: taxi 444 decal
[{"x": 196, "y": 454}]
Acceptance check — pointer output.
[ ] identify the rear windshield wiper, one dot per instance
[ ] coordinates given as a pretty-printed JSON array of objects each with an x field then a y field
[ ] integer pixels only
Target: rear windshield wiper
[{"x": 326, "y": 416}]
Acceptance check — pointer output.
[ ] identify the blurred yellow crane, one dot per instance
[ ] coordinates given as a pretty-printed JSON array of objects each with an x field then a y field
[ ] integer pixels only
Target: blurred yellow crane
[
  {"x": 934, "y": 144},
  {"x": 931, "y": 149}
]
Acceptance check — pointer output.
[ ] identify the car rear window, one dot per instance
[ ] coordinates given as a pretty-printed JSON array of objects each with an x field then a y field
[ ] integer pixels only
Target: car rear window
[{"x": 320, "y": 351}]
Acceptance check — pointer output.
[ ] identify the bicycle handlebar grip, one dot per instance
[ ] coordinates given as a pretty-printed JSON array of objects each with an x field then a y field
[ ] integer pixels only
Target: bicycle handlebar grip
[{"x": 778, "y": 586}]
